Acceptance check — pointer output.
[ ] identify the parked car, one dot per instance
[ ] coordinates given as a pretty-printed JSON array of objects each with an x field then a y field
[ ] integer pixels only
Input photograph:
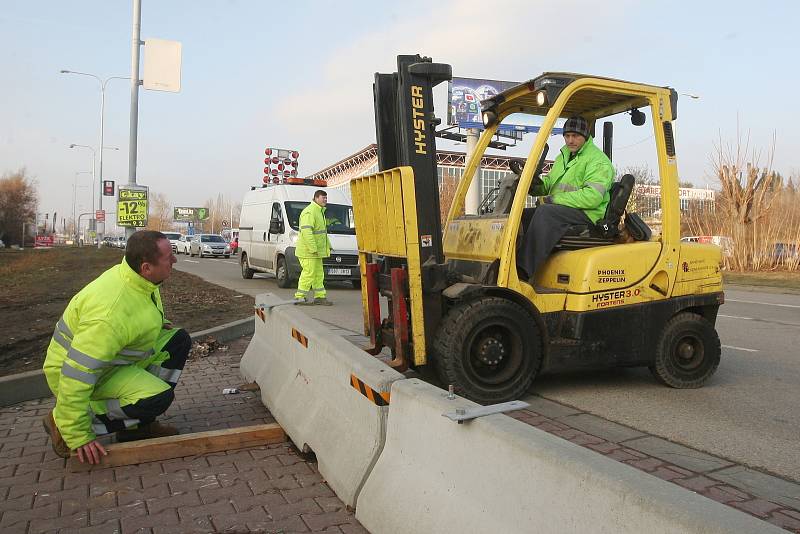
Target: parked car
[
  {"x": 183, "y": 244},
  {"x": 786, "y": 251},
  {"x": 174, "y": 239},
  {"x": 209, "y": 245}
]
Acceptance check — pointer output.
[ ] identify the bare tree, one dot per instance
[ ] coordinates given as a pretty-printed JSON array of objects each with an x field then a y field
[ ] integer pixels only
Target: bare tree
[
  {"x": 447, "y": 192},
  {"x": 18, "y": 201},
  {"x": 641, "y": 172},
  {"x": 221, "y": 210},
  {"x": 160, "y": 216}
]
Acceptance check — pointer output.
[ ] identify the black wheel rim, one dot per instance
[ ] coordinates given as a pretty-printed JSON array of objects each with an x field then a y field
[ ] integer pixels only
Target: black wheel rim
[
  {"x": 688, "y": 352},
  {"x": 495, "y": 353}
]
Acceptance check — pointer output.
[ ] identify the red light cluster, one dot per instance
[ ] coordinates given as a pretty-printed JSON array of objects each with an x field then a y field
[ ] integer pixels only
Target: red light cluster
[{"x": 280, "y": 164}]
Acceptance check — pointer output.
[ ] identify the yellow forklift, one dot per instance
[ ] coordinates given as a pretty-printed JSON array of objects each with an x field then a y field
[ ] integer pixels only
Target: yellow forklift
[{"x": 457, "y": 303}]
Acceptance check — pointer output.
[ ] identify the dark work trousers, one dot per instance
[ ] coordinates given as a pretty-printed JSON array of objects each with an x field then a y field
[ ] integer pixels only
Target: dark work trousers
[
  {"x": 548, "y": 225},
  {"x": 146, "y": 410}
]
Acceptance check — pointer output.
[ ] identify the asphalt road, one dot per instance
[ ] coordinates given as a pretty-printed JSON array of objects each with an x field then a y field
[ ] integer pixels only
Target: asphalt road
[
  {"x": 749, "y": 412},
  {"x": 346, "y": 311}
]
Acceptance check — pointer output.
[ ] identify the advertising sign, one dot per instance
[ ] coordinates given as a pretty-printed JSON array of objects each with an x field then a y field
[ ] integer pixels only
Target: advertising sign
[
  {"x": 43, "y": 241},
  {"x": 464, "y": 105},
  {"x": 132, "y": 206},
  {"x": 191, "y": 214}
]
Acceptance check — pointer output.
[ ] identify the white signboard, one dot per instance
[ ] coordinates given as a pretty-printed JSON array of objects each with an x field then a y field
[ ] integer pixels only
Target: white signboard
[
  {"x": 162, "y": 65},
  {"x": 683, "y": 192}
]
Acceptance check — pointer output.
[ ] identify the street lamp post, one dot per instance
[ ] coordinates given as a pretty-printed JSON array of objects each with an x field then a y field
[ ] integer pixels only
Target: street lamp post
[
  {"x": 74, "y": 193},
  {"x": 103, "y": 84},
  {"x": 75, "y": 145}
]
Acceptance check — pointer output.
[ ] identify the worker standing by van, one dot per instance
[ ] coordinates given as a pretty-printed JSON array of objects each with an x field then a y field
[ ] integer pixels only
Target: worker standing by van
[{"x": 313, "y": 245}]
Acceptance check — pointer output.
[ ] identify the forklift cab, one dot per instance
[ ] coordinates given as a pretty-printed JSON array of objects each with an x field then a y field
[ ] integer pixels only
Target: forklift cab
[{"x": 572, "y": 270}]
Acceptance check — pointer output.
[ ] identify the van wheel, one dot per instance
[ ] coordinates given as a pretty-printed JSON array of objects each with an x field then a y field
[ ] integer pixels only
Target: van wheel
[
  {"x": 688, "y": 352},
  {"x": 247, "y": 272},
  {"x": 282, "y": 273},
  {"x": 490, "y": 349}
]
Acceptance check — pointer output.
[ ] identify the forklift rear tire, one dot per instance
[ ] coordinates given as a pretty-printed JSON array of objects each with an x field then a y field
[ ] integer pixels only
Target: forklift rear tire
[
  {"x": 688, "y": 352},
  {"x": 490, "y": 349}
]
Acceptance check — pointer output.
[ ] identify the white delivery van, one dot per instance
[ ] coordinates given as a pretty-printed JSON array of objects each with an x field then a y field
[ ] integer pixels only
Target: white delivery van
[{"x": 269, "y": 228}]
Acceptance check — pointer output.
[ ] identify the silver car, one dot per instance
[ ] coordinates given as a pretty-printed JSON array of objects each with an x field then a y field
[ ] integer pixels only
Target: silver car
[{"x": 209, "y": 245}]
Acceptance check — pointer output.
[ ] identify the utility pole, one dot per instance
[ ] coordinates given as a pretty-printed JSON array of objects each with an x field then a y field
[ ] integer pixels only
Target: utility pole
[
  {"x": 473, "y": 198},
  {"x": 136, "y": 42}
]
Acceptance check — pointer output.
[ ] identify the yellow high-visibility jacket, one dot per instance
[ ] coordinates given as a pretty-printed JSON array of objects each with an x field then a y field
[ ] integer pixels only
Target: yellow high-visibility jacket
[
  {"x": 313, "y": 241},
  {"x": 582, "y": 182},
  {"x": 115, "y": 320}
]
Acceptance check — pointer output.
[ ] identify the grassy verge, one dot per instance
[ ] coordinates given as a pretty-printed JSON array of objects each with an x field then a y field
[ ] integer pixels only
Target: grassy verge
[{"x": 778, "y": 279}]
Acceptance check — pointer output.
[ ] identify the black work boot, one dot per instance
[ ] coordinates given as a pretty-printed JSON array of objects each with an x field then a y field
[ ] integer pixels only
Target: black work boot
[{"x": 147, "y": 431}]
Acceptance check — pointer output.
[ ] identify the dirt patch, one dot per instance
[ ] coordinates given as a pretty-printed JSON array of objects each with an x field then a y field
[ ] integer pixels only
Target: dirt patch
[{"x": 36, "y": 286}]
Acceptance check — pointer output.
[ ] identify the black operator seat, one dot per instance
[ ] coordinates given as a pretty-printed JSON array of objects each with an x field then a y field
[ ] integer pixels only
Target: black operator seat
[{"x": 605, "y": 230}]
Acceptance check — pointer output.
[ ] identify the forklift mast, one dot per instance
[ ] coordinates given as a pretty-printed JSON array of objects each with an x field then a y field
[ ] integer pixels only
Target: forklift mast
[{"x": 406, "y": 137}]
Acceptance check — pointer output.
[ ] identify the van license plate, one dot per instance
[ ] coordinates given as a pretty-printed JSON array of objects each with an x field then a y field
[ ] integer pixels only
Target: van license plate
[{"x": 345, "y": 272}]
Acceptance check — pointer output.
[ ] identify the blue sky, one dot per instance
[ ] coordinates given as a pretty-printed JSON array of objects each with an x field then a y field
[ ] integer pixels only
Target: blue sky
[{"x": 299, "y": 75}]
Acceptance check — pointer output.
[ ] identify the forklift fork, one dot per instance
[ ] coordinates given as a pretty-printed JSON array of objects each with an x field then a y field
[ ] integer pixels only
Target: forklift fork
[{"x": 394, "y": 327}]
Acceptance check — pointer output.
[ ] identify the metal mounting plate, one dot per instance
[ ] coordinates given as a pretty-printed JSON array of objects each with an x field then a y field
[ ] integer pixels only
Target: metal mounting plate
[{"x": 466, "y": 414}]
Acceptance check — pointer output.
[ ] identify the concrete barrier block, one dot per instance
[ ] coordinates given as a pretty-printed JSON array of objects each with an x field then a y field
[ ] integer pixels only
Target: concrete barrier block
[
  {"x": 306, "y": 377},
  {"x": 497, "y": 474}
]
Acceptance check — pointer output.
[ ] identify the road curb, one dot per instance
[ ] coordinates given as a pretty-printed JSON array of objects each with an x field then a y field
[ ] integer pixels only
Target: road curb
[{"x": 31, "y": 385}]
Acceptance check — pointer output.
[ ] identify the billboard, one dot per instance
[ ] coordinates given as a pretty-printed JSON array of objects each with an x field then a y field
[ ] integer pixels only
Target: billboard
[
  {"x": 190, "y": 214},
  {"x": 464, "y": 104}
]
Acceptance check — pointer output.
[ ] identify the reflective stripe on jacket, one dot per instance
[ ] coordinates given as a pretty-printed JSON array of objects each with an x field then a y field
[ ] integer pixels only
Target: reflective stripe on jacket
[
  {"x": 115, "y": 320},
  {"x": 582, "y": 183},
  {"x": 313, "y": 241}
]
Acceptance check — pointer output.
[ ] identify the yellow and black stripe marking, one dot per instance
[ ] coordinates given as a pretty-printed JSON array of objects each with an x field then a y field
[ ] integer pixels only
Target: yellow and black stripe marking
[
  {"x": 381, "y": 399},
  {"x": 303, "y": 340},
  {"x": 261, "y": 314}
]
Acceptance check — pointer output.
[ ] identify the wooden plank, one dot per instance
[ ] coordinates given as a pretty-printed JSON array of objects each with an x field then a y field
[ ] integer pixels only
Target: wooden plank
[{"x": 157, "y": 449}]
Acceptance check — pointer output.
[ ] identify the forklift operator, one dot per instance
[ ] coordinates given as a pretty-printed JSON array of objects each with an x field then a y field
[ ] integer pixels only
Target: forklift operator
[{"x": 575, "y": 191}]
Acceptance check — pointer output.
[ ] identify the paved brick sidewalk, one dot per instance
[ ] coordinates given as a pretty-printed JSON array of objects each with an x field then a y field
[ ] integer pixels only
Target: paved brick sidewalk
[
  {"x": 259, "y": 489},
  {"x": 706, "y": 475}
]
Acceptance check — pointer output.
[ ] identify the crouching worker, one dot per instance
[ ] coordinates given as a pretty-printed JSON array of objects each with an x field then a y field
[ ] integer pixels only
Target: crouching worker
[{"x": 114, "y": 361}]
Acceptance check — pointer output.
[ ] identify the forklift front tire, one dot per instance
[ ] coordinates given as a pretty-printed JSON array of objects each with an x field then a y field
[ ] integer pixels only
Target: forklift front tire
[
  {"x": 688, "y": 352},
  {"x": 490, "y": 349}
]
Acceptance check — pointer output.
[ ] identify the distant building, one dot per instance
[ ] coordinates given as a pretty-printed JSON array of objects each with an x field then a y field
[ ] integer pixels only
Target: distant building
[{"x": 646, "y": 198}]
